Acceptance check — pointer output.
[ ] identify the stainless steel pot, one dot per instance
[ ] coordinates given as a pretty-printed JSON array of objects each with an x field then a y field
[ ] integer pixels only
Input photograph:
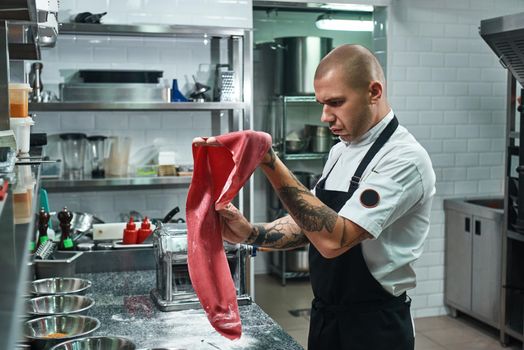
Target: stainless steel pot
[
  {"x": 298, "y": 260},
  {"x": 299, "y": 57},
  {"x": 321, "y": 138}
]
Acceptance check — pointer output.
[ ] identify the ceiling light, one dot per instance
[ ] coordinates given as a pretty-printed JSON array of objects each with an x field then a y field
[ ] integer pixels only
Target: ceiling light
[
  {"x": 348, "y": 7},
  {"x": 327, "y": 22}
]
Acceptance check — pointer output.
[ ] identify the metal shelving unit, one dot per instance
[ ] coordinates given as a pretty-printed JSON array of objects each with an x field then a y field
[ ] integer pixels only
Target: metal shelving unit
[
  {"x": 505, "y": 36},
  {"x": 281, "y": 126},
  {"x": 225, "y": 116},
  {"x": 111, "y": 184},
  {"x": 127, "y": 106}
]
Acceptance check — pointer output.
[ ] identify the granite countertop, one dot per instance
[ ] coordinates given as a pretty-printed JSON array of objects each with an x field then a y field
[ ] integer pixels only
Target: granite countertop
[{"x": 124, "y": 308}]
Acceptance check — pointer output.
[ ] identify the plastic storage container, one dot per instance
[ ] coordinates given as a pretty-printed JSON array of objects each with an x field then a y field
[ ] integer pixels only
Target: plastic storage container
[
  {"x": 18, "y": 100},
  {"x": 22, "y": 129}
]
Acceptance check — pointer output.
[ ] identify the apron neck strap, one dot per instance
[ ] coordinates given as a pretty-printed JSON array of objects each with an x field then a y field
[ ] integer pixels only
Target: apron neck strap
[{"x": 373, "y": 150}]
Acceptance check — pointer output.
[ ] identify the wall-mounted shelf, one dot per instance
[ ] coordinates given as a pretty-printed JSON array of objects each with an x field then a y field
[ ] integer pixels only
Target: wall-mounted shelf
[
  {"x": 305, "y": 156},
  {"x": 112, "y": 184},
  {"x": 131, "y": 106},
  {"x": 151, "y": 30}
]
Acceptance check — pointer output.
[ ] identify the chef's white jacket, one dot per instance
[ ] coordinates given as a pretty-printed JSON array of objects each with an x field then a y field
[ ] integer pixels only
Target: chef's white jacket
[{"x": 402, "y": 175}]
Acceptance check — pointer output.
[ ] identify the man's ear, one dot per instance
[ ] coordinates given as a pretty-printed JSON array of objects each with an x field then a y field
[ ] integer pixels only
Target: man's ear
[{"x": 375, "y": 91}]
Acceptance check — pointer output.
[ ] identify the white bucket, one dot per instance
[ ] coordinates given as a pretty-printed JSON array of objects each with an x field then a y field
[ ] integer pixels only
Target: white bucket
[{"x": 22, "y": 130}]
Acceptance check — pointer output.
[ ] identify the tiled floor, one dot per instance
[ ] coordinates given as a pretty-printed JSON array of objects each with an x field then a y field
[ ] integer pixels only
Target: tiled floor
[{"x": 432, "y": 333}]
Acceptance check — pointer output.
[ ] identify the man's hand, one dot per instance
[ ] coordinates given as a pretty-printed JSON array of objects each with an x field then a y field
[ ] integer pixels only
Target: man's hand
[
  {"x": 206, "y": 141},
  {"x": 235, "y": 227}
]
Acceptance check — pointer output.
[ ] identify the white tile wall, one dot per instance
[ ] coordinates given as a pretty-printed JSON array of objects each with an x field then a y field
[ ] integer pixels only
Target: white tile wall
[
  {"x": 448, "y": 89},
  {"x": 222, "y": 13},
  {"x": 178, "y": 57}
]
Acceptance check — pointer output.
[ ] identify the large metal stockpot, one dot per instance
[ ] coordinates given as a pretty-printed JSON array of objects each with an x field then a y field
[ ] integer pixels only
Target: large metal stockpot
[{"x": 298, "y": 58}]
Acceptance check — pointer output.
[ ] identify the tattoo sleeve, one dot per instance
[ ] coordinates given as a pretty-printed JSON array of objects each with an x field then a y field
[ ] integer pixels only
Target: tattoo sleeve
[
  {"x": 312, "y": 218},
  {"x": 281, "y": 234}
]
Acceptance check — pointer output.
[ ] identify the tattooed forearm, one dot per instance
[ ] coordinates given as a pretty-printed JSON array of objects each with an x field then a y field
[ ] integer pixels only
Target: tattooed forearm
[
  {"x": 311, "y": 218},
  {"x": 272, "y": 159},
  {"x": 279, "y": 234}
]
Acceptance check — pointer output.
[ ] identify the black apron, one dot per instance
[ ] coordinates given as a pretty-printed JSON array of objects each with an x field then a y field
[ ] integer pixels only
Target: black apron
[{"x": 351, "y": 310}]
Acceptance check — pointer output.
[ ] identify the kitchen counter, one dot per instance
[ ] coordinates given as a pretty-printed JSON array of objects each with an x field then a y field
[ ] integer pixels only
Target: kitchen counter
[{"x": 124, "y": 308}]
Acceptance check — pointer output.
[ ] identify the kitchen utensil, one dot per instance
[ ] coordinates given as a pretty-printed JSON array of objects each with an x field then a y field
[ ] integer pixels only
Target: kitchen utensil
[
  {"x": 225, "y": 87},
  {"x": 35, "y": 79},
  {"x": 97, "y": 343},
  {"x": 176, "y": 95},
  {"x": 45, "y": 332},
  {"x": 199, "y": 92},
  {"x": 44, "y": 251},
  {"x": 59, "y": 286},
  {"x": 83, "y": 222},
  {"x": 73, "y": 153},
  {"x": 170, "y": 215},
  {"x": 59, "y": 305},
  {"x": 298, "y": 60}
]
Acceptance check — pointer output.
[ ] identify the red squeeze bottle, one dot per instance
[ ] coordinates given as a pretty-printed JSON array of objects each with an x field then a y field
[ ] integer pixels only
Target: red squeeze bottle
[
  {"x": 130, "y": 232},
  {"x": 144, "y": 231}
]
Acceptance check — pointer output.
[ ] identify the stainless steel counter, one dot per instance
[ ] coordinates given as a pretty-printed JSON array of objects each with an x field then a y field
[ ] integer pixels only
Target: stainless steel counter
[{"x": 124, "y": 308}]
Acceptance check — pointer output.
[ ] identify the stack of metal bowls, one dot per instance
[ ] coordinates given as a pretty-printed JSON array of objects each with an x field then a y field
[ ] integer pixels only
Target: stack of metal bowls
[
  {"x": 45, "y": 332},
  {"x": 97, "y": 343},
  {"x": 58, "y": 307}
]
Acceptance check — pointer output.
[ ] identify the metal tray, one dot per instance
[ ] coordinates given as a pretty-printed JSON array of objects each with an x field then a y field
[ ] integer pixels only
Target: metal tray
[{"x": 120, "y": 245}]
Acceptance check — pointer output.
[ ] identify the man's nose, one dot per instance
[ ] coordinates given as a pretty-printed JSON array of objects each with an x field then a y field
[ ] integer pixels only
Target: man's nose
[{"x": 327, "y": 115}]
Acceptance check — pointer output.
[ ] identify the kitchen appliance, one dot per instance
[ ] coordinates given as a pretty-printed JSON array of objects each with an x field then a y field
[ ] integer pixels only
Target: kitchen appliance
[
  {"x": 73, "y": 152},
  {"x": 97, "y": 155},
  {"x": 297, "y": 59},
  {"x": 173, "y": 289}
]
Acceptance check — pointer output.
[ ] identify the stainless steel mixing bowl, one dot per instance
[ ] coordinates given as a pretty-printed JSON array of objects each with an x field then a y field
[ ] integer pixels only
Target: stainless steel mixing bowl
[
  {"x": 45, "y": 332},
  {"x": 97, "y": 343},
  {"x": 59, "y": 305},
  {"x": 59, "y": 285}
]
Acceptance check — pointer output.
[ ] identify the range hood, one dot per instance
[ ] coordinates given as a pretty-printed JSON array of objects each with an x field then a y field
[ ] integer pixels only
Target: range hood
[{"x": 505, "y": 36}]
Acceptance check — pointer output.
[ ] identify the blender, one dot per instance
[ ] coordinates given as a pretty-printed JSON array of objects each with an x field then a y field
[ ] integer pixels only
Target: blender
[
  {"x": 97, "y": 154},
  {"x": 73, "y": 153}
]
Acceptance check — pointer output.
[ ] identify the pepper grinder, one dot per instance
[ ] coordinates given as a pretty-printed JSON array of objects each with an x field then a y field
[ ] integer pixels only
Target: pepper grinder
[
  {"x": 65, "y": 217},
  {"x": 43, "y": 224},
  {"x": 35, "y": 77}
]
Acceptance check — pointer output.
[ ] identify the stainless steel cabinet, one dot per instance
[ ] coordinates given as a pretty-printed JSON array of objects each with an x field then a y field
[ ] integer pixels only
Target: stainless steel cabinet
[{"x": 473, "y": 258}]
